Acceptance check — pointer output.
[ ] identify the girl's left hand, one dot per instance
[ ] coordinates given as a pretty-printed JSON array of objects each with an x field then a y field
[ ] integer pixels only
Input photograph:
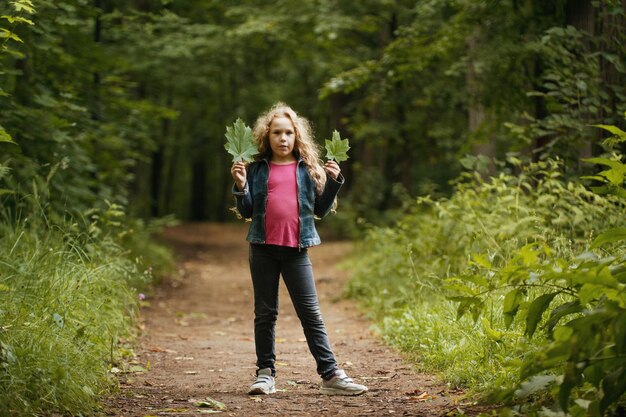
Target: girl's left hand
[{"x": 332, "y": 168}]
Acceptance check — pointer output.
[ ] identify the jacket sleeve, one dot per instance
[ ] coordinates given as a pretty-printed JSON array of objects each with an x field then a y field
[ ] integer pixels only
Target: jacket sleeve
[
  {"x": 243, "y": 200},
  {"x": 324, "y": 201}
]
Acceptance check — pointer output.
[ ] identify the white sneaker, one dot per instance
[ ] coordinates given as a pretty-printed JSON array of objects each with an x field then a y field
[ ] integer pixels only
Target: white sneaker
[
  {"x": 264, "y": 383},
  {"x": 340, "y": 384}
]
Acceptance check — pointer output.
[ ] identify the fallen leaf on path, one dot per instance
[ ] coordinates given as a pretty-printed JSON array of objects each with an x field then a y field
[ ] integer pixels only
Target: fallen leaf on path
[
  {"x": 423, "y": 397},
  {"x": 137, "y": 369},
  {"x": 209, "y": 403},
  {"x": 280, "y": 340},
  {"x": 281, "y": 363},
  {"x": 256, "y": 399}
]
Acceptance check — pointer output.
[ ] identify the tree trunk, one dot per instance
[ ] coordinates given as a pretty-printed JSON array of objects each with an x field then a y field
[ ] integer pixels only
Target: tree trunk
[
  {"x": 541, "y": 111},
  {"x": 612, "y": 27},
  {"x": 198, "y": 189},
  {"x": 476, "y": 110},
  {"x": 155, "y": 180},
  {"x": 581, "y": 15},
  {"x": 97, "y": 37}
]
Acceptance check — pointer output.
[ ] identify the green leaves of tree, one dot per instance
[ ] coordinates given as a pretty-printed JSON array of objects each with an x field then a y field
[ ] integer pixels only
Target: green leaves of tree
[
  {"x": 536, "y": 310},
  {"x": 4, "y": 136},
  {"x": 240, "y": 143},
  {"x": 337, "y": 148}
]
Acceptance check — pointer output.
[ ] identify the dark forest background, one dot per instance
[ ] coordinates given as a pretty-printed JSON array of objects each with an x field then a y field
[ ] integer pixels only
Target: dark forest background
[{"x": 127, "y": 101}]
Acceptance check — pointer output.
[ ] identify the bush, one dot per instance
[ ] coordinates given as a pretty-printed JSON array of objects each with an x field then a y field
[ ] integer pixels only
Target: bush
[
  {"x": 67, "y": 298},
  {"x": 435, "y": 279}
]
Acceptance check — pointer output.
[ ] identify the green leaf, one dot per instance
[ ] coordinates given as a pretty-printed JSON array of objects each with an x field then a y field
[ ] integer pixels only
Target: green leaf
[
  {"x": 613, "y": 386},
  {"x": 535, "y": 384},
  {"x": 210, "y": 403},
  {"x": 562, "y": 311},
  {"x": 536, "y": 310},
  {"x": 137, "y": 369},
  {"x": 10, "y": 35},
  {"x": 614, "y": 130},
  {"x": 490, "y": 332},
  {"x": 5, "y": 137},
  {"x": 609, "y": 236},
  {"x": 240, "y": 143},
  {"x": 605, "y": 161},
  {"x": 480, "y": 260},
  {"x": 337, "y": 148},
  {"x": 512, "y": 301},
  {"x": 13, "y": 19},
  {"x": 472, "y": 304},
  {"x": 23, "y": 5},
  {"x": 614, "y": 176}
]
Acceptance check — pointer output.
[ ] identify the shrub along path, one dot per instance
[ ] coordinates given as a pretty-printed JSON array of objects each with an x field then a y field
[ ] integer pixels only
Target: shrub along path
[{"x": 198, "y": 342}]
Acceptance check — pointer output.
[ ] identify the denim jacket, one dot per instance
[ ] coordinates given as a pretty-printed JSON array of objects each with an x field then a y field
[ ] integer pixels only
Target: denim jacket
[{"x": 251, "y": 202}]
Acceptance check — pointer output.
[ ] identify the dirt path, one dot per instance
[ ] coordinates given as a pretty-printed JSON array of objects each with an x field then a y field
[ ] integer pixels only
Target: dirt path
[{"x": 198, "y": 343}]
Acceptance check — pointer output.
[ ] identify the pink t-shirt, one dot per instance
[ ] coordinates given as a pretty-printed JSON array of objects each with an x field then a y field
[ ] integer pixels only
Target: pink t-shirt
[{"x": 281, "y": 212}]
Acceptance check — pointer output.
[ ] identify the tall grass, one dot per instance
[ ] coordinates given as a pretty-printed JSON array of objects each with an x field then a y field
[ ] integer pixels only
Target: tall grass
[
  {"x": 67, "y": 297},
  {"x": 401, "y": 270}
]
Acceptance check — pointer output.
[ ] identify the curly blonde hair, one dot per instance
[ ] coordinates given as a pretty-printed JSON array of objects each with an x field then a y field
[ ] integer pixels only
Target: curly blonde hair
[{"x": 304, "y": 147}]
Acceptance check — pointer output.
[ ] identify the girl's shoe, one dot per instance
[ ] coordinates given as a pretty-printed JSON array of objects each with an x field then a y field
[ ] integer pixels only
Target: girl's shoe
[
  {"x": 340, "y": 384},
  {"x": 264, "y": 383}
]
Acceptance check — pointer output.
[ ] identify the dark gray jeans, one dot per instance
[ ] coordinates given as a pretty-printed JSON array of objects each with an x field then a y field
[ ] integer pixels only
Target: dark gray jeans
[{"x": 267, "y": 263}]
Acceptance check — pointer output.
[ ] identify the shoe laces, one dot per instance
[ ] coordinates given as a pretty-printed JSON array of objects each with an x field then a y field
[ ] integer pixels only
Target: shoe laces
[{"x": 341, "y": 375}]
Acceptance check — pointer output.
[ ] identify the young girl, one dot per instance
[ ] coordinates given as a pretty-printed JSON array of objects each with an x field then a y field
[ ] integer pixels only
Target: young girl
[{"x": 281, "y": 192}]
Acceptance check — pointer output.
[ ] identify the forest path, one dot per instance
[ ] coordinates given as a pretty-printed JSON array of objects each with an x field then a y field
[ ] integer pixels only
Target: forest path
[{"x": 198, "y": 342}]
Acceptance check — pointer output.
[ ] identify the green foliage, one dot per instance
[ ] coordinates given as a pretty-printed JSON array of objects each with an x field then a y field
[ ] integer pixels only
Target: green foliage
[
  {"x": 337, "y": 148},
  {"x": 613, "y": 178},
  {"x": 511, "y": 254},
  {"x": 240, "y": 143},
  {"x": 583, "y": 296},
  {"x": 66, "y": 302}
]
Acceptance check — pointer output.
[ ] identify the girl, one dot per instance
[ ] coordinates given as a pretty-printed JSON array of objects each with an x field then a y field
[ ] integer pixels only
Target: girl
[{"x": 281, "y": 192}]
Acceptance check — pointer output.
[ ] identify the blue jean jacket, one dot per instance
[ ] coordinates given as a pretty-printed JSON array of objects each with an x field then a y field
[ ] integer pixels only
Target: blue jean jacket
[{"x": 251, "y": 202}]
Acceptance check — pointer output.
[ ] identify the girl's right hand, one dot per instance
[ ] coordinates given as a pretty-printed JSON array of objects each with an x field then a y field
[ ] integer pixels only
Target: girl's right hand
[{"x": 238, "y": 171}]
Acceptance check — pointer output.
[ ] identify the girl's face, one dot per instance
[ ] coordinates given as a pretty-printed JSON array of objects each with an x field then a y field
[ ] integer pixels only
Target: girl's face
[{"x": 282, "y": 137}]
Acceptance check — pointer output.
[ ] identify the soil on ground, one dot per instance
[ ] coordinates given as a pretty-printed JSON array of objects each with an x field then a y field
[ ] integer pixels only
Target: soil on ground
[{"x": 197, "y": 343}]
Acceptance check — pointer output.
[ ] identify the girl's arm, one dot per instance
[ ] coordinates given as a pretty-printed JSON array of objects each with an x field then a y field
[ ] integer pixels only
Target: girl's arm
[
  {"x": 334, "y": 181},
  {"x": 241, "y": 189}
]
